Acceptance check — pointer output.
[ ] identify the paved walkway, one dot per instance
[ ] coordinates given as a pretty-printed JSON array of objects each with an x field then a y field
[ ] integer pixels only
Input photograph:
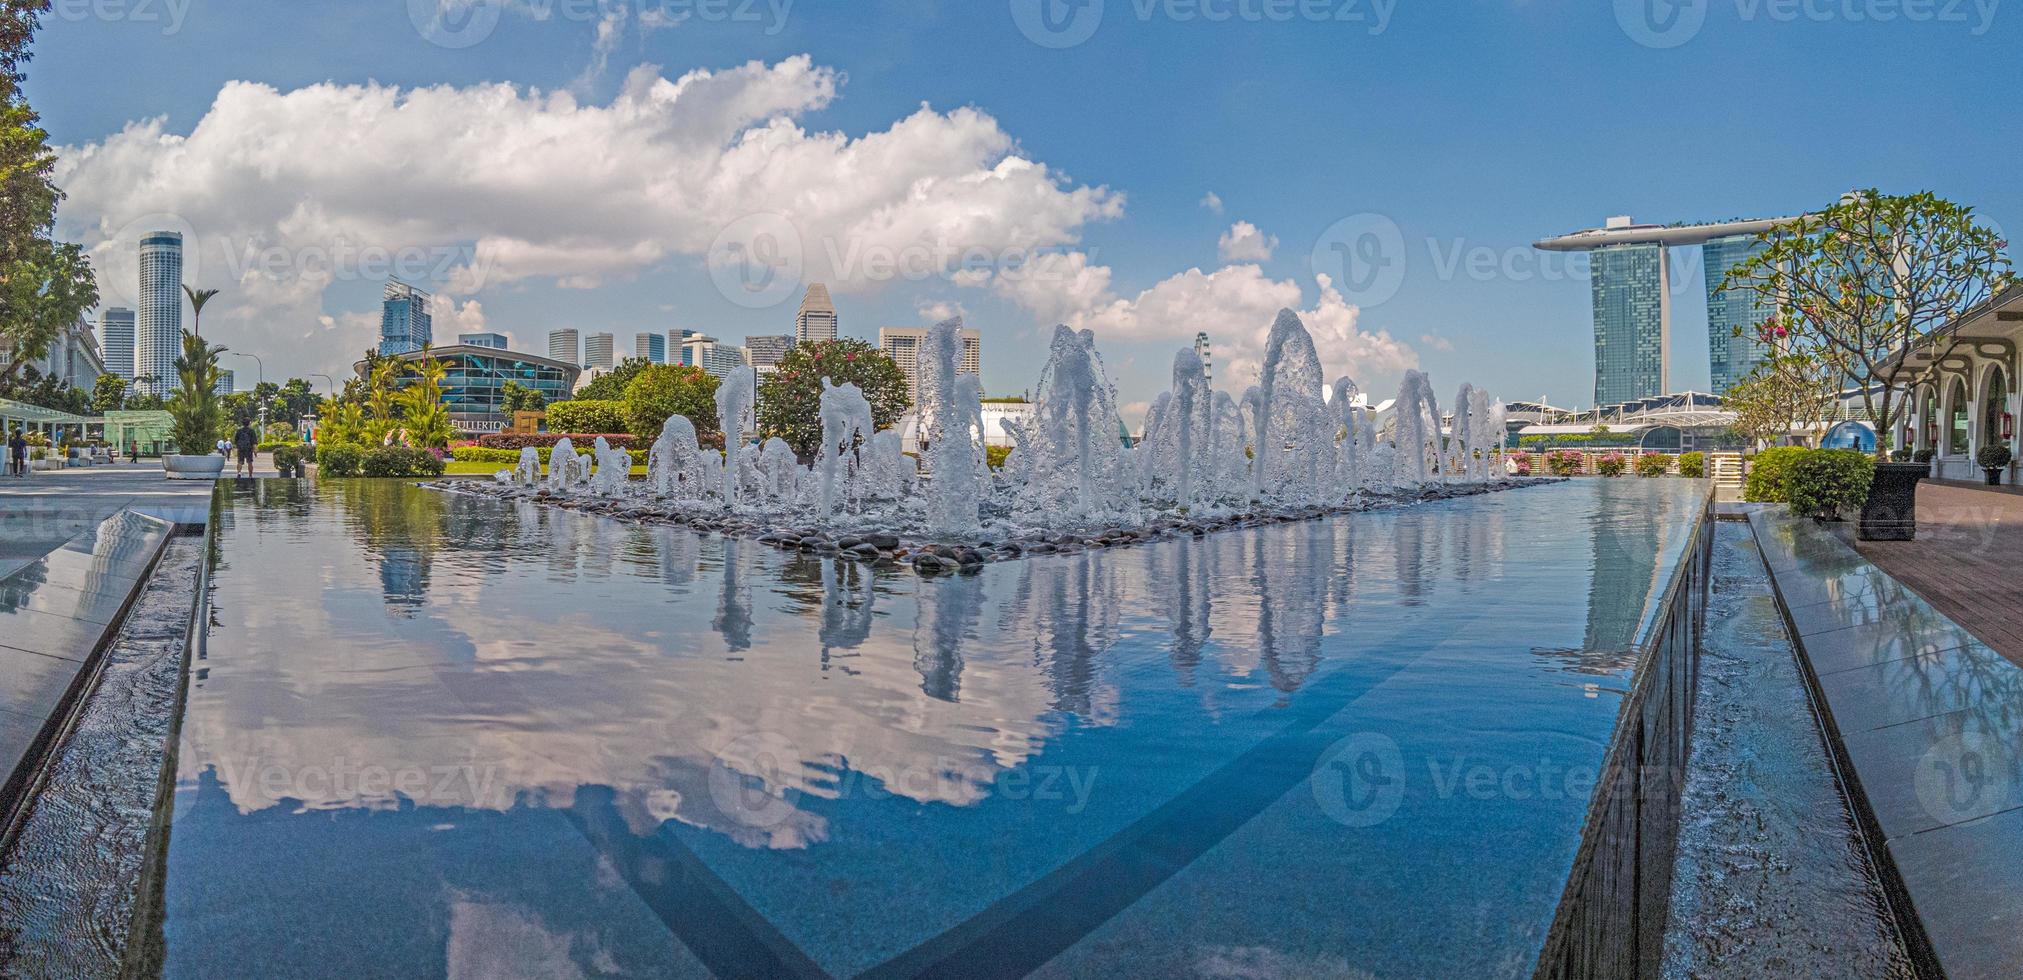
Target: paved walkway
[
  {"x": 42, "y": 510},
  {"x": 1970, "y": 541}
]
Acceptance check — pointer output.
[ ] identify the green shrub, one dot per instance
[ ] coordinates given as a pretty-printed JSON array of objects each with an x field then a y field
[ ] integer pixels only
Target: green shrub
[
  {"x": 1824, "y": 483},
  {"x": 400, "y": 461},
  {"x": 1765, "y": 483},
  {"x": 588, "y": 415},
  {"x": 286, "y": 456},
  {"x": 339, "y": 461},
  {"x": 1654, "y": 464},
  {"x": 1612, "y": 464},
  {"x": 1993, "y": 457},
  {"x": 1922, "y": 456},
  {"x": 1693, "y": 466}
]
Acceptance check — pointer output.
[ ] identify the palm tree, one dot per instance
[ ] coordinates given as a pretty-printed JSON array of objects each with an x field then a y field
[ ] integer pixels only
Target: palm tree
[{"x": 198, "y": 297}]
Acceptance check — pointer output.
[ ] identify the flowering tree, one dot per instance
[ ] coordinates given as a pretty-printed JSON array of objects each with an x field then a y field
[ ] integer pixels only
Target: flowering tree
[
  {"x": 1785, "y": 393},
  {"x": 1862, "y": 283},
  {"x": 790, "y": 399}
]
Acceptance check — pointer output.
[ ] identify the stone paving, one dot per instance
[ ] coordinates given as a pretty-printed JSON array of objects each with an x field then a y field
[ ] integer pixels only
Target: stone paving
[{"x": 42, "y": 510}]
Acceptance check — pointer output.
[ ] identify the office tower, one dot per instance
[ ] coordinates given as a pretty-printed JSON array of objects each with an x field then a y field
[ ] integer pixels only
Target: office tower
[
  {"x": 766, "y": 350},
  {"x": 405, "y": 325},
  {"x": 225, "y": 384},
  {"x": 816, "y": 320},
  {"x": 703, "y": 351},
  {"x": 115, "y": 341},
  {"x": 1202, "y": 351},
  {"x": 158, "y": 324},
  {"x": 565, "y": 345},
  {"x": 903, "y": 345},
  {"x": 651, "y": 346},
  {"x": 600, "y": 352},
  {"x": 1734, "y": 314},
  {"x": 495, "y": 341},
  {"x": 1630, "y": 282}
]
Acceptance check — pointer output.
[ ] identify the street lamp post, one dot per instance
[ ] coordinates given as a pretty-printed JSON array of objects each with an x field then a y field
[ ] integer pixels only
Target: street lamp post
[{"x": 260, "y": 383}]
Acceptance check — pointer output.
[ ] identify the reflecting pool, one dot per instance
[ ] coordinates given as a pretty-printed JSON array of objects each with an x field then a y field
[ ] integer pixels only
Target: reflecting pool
[{"x": 441, "y": 735}]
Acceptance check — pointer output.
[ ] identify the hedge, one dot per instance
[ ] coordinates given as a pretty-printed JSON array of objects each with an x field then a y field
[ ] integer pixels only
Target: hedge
[
  {"x": 1767, "y": 469},
  {"x": 1824, "y": 483},
  {"x": 1693, "y": 465},
  {"x": 339, "y": 461},
  {"x": 589, "y": 415},
  {"x": 398, "y": 461},
  {"x": 1654, "y": 464},
  {"x": 545, "y": 440}
]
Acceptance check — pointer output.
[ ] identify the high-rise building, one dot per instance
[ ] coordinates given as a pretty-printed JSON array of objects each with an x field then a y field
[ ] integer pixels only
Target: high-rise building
[
  {"x": 405, "y": 325},
  {"x": 115, "y": 340},
  {"x": 766, "y": 350},
  {"x": 1733, "y": 314},
  {"x": 158, "y": 324},
  {"x": 600, "y": 352},
  {"x": 717, "y": 359},
  {"x": 565, "y": 345},
  {"x": 904, "y": 344},
  {"x": 816, "y": 320},
  {"x": 1201, "y": 350},
  {"x": 226, "y": 383},
  {"x": 1630, "y": 279},
  {"x": 495, "y": 341},
  {"x": 651, "y": 346}
]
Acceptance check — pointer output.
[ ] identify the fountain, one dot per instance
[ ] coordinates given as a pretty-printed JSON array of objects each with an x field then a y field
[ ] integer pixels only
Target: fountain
[
  {"x": 951, "y": 414},
  {"x": 846, "y": 424},
  {"x": 1072, "y": 461},
  {"x": 735, "y": 397},
  {"x": 529, "y": 470}
]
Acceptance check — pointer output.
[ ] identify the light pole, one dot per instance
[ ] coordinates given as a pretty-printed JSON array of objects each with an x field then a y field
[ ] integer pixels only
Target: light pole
[{"x": 261, "y": 382}]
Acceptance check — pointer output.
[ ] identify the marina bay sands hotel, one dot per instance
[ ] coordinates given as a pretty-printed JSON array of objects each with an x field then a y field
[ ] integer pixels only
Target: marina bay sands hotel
[{"x": 1632, "y": 283}]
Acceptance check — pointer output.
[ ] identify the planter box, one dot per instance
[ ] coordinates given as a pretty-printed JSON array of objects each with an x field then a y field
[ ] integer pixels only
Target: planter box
[
  {"x": 206, "y": 467},
  {"x": 1891, "y": 513}
]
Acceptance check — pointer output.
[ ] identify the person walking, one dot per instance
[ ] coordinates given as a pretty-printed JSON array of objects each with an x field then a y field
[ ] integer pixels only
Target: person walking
[
  {"x": 245, "y": 441},
  {"x": 133, "y": 451},
  {"x": 17, "y": 454}
]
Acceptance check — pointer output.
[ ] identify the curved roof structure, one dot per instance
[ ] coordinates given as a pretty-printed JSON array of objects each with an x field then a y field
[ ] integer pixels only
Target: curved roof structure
[{"x": 1624, "y": 233}]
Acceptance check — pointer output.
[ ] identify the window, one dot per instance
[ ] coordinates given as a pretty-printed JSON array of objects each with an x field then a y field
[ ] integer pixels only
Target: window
[
  {"x": 1992, "y": 406},
  {"x": 1956, "y": 438}
]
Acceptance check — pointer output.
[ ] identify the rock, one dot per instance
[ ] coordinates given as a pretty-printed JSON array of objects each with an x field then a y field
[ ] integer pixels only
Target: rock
[
  {"x": 865, "y": 549},
  {"x": 884, "y": 542},
  {"x": 929, "y": 564}
]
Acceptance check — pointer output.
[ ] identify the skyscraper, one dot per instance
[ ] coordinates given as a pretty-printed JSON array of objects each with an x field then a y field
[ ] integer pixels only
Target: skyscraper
[
  {"x": 600, "y": 352},
  {"x": 565, "y": 345},
  {"x": 1633, "y": 322},
  {"x": 703, "y": 351},
  {"x": 903, "y": 345},
  {"x": 405, "y": 325},
  {"x": 651, "y": 346},
  {"x": 227, "y": 383},
  {"x": 1630, "y": 278},
  {"x": 816, "y": 320},
  {"x": 1733, "y": 314},
  {"x": 115, "y": 339},
  {"x": 1202, "y": 350},
  {"x": 765, "y": 350},
  {"x": 496, "y": 341},
  {"x": 158, "y": 325}
]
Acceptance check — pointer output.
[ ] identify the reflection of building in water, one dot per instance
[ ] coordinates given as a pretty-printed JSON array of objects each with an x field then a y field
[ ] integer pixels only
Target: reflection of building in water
[
  {"x": 403, "y": 577},
  {"x": 948, "y": 612},
  {"x": 1627, "y": 535}
]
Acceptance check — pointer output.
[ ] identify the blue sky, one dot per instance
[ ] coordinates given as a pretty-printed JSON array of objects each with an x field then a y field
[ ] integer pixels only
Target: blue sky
[{"x": 1472, "y": 128}]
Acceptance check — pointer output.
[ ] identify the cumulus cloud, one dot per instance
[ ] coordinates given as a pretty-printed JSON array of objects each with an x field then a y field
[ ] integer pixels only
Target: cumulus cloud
[
  {"x": 1436, "y": 342},
  {"x": 282, "y": 193},
  {"x": 1212, "y": 202},
  {"x": 1243, "y": 242}
]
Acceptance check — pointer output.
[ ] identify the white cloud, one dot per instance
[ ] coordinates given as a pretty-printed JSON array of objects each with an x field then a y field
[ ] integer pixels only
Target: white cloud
[
  {"x": 1436, "y": 342},
  {"x": 471, "y": 189},
  {"x": 935, "y": 311},
  {"x": 1243, "y": 242},
  {"x": 1212, "y": 202}
]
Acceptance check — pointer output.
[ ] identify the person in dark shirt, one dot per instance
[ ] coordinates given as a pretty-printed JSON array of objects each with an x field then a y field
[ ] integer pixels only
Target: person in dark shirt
[
  {"x": 17, "y": 454},
  {"x": 245, "y": 441}
]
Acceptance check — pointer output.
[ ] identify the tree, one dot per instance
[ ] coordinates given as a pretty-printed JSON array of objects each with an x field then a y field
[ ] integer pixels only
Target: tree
[
  {"x": 194, "y": 408},
  {"x": 294, "y": 400},
  {"x": 610, "y": 386},
  {"x": 198, "y": 297},
  {"x": 790, "y": 399},
  {"x": 108, "y": 394},
  {"x": 44, "y": 285},
  {"x": 427, "y": 421},
  {"x": 1864, "y": 282},
  {"x": 514, "y": 398},
  {"x": 43, "y": 289},
  {"x": 239, "y": 407},
  {"x": 661, "y": 391},
  {"x": 1786, "y": 392}
]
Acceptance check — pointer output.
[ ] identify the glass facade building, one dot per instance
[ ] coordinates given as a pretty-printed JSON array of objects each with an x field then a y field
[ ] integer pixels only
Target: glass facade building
[
  {"x": 158, "y": 325},
  {"x": 1733, "y": 315},
  {"x": 1628, "y": 282},
  {"x": 652, "y": 346},
  {"x": 115, "y": 340},
  {"x": 405, "y": 325},
  {"x": 475, "y": 382}
]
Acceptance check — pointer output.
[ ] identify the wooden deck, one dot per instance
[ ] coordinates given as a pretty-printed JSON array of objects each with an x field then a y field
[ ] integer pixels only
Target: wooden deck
[{"x": 1967, "y": 561}]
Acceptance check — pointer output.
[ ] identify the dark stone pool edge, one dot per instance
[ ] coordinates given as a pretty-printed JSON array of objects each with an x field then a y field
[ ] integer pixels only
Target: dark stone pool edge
[
  {"x": 1941, "y": 930},
  {"x": 1612, "y": 916}
]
